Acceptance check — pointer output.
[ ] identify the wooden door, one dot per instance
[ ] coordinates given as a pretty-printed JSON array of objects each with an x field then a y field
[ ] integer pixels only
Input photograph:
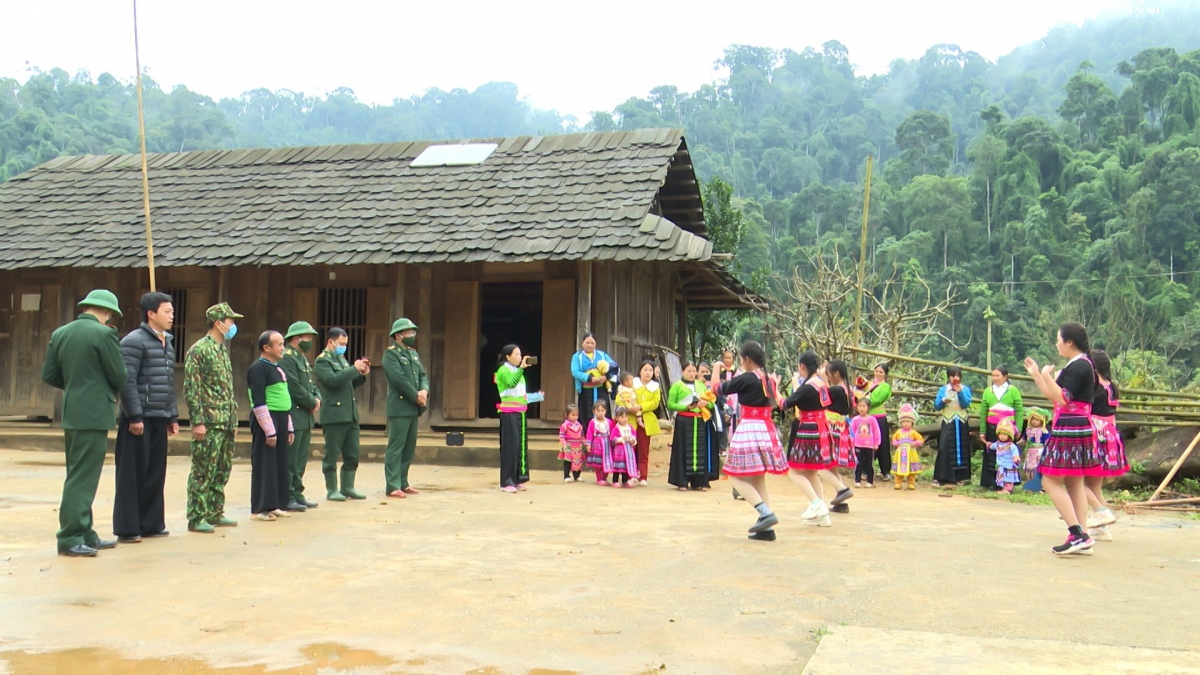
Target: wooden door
[
  {"x": 378, "y": 324},
  {"x": 460, "y": 382},
  {"x": 558, "y": 344}
]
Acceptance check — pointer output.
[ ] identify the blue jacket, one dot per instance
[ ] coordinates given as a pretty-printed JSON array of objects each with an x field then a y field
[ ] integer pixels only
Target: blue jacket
[
  {"x": 964, "y": 397},
  {"x": 580, "y": 364}
]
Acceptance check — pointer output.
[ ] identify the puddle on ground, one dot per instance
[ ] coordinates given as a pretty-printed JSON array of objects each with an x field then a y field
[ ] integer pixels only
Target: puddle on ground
[{"x": 322, "y": 659}]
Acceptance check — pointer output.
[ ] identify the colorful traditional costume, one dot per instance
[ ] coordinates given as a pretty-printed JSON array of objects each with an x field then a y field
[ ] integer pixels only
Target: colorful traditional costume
[
  {"x": 1000, "y": 402},
  {"x": 599, "y": 444},
  {"x": 623, "y": 454},
  {"x": 953, "y": 464},
  {"x": 878, "y": 394},
  {"x": 570, "y": 434},
  {"x": 906, "y": 445},
  {"x": 514, "y": 444},
  {"x": 754, "y": 448},
  {"x": 1071, "y": 450},
  {"x": 841, "y": 402},
  {"x": 811, "y": 447},
  {"x": 1109, "y": 445},
  {"x": 693, "y": 449}
]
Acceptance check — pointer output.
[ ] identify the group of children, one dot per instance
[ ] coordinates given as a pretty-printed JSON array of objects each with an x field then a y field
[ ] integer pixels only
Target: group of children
[{"x": 607, "y": 446}]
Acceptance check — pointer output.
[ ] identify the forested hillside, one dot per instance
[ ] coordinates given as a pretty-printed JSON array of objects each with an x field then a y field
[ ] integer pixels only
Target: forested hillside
[{"x": 1061, "y": 182}]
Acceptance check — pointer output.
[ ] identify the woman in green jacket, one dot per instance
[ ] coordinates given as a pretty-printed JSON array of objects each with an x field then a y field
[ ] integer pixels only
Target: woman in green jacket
[
  {"x": 514, "y": 401},
  {"x": 878, "y": 393},
  {"x": 693, "y": 451},
  {"x": 1000, "y": 401}
]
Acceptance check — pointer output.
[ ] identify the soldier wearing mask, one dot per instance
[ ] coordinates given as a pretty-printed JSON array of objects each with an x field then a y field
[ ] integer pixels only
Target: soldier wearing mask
[
  {"x": 407, "y": 399},
  {"x": 337, "y": 379},
  {"x": 306, "y": 402}
]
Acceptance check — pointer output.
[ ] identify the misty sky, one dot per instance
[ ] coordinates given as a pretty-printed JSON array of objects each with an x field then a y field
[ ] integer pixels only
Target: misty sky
[{"x": 574, "y": 57}]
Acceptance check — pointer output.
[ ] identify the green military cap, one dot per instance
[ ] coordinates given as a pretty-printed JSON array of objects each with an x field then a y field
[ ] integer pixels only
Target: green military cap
[
  {"x": 220, "y": 312},
  {"x": 402, "y": 324},
  {"x": 102, "y": 299},
  {"x": 299, "y": 328}
]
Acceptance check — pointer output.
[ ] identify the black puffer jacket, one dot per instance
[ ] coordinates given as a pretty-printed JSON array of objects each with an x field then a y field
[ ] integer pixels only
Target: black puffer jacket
[{"x": 150, "y": 389}]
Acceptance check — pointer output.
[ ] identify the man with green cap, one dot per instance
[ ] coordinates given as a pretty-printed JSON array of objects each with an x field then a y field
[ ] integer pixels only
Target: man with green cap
[
  {"x": 407, "y": 398},
  {"x": 84, "y": 360},
  {"x": 339, "y": 413},
  {"x": 306, "y": 402},
  {"x": 212, "y": 408}
]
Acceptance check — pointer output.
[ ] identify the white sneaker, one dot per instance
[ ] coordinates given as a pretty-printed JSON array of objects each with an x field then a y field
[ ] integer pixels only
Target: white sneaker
[
  {"x": 1101, "y": 533},
  {"x": 1100, "y": 518},
  {"x": 816, "y": 512},
  {"x": 644, "y": 483},
  {"x": 820, "y": 521},
  {"x": 568, "y": 479},
  {"x": 857, "y": 484}
]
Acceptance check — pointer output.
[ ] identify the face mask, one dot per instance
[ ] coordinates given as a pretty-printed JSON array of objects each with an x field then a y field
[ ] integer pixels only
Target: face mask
[
  {"x": 410, "y": 341},
  {"x": 231, "y": 332},
  {"x": 305, "y": 345},
  {"x": 340, "y": 350}
]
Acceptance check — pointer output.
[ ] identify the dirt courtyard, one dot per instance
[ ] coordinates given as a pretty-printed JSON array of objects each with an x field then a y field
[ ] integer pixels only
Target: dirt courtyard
[{"x": 579, "y": 578}]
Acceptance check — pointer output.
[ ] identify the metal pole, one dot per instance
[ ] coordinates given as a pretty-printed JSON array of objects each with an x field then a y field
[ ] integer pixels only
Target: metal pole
[
  {"x": 142, "y": 131},
  {"x": 862, "y": 258}
]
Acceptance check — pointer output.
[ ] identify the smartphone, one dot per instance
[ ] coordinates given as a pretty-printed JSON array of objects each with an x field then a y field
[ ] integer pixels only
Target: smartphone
[{"x": 533, "y": 360}]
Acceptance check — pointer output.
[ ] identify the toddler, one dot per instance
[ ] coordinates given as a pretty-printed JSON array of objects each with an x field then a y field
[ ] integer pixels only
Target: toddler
[
  {"x": 1008, "y": 458},
  {"x": 622, "y": 462},
  {"x": 865, "y": 430},
  {"x": 906, "y": 444},
  {"x": 570, "y": 436},
  {"x": 599, "y": 441}
]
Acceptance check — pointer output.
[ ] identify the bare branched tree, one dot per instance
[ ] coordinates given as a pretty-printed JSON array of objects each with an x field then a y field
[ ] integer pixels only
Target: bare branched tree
[{"x": 815, "y": 309}]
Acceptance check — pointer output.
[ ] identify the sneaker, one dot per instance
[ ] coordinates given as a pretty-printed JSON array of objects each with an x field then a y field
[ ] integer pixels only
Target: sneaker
[
  {"x": 1101, "y": 517},
  {"x": 521, "y": 488},
  {"x": 869, "y": 486},
  {"x": 765, "y": 523},
  {"x": 885, "y": 477},
  {"x": 643, "y": 483},
  {"x": 1074, "y": 544},
  {"x": 1101, "y": 533},
  {"x": 815, "y": 512},
  {"x": 765, "y": 535},
  {"x": 510, "y": 489},
  {"x": 842, "y": 495},
  {"x": 567, "y": 479},
  {"x": 599, "y": 482},
  {"x": 857, "y": 484},
  {"x": 280, "y": 513},
  {"x": 821, "y": 521}
]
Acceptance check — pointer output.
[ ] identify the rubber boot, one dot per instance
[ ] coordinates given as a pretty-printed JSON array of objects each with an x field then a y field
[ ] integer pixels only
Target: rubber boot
[
  {"x": 899, "y": 480},
  {"x": 331, "y": 490},
  {"x": 912, "y": 481},
  {"x": 348, "y": 486}
]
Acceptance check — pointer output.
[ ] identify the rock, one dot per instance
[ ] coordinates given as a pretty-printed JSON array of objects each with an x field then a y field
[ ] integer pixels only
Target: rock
[{"x": 1159, "y": 451}]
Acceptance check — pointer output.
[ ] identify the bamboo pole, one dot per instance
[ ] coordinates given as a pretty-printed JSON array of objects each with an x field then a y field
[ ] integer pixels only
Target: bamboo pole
[
  {"x": 1175, "y": 469},
  {"x": 1167, "y": 502},
  {"x": 862, "y": 256},
  {"x": 137, "y": 58},
  {"x": 1022, "y": 378}
]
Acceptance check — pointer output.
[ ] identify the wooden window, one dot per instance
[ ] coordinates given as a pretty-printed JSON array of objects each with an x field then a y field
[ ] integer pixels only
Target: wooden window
[
  {"x": 344, "y": 308},
  {"x": 179, "y": 300}
]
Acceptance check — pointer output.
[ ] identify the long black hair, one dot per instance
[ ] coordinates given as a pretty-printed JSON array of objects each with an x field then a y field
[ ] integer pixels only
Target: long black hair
[
  {"x": 839, "y": 366},
  {"x": 810, "y": 362},
  {"x": 1076, "y": 334},
  {"x": 755, "y": 353},
  {"x": 1103, "y": 363},
  {"x": 505, "y": 352}
]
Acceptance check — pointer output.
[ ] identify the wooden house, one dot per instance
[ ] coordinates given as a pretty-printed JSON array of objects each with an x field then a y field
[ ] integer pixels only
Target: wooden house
[{"x": 531, "y": 240}]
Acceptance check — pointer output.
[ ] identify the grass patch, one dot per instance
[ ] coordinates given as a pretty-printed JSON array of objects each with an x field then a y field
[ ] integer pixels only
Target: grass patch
[
  {"x": 1017, "y": 496},
  {"x": 817, "y": 634}
]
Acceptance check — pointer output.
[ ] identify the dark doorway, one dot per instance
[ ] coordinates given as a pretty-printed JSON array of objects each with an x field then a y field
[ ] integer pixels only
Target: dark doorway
[{"x": 512, "y": 314}]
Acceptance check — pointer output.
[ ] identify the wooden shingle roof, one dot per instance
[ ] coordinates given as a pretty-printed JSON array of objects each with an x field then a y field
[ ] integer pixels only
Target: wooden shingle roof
[{"x": 589, "y": 196}]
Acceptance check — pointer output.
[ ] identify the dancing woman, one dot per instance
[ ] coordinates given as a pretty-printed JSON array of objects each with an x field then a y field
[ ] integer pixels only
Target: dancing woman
[
  {"x": 1109, "y": 447},
  {"x": 1070, "y": 454},
  {"x": 841, "y": 403},
  {"x": 754, "y": 449},
  {"x": 810, "y": 450}
]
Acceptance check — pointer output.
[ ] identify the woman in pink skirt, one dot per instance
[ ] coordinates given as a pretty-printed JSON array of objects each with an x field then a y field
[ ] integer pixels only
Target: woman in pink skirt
[
  {"x": 754, "y": 449},
  {"x": 1109, "y": 447},
  {"x": 811, "y": 449},
  {"x": 1070, "y": 454}
]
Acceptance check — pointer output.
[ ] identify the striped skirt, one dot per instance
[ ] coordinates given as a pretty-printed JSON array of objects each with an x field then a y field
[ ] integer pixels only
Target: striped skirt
[
  {"x": 841, "y": 442},
  {"x": 754, "y": 449},
  {"x": 811, "y": 449},
  {"x": 1071, "y": 450}
]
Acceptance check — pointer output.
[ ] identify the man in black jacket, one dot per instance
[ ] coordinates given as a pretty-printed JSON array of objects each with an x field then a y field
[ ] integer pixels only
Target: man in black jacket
[{"x": 148, "y": 416}]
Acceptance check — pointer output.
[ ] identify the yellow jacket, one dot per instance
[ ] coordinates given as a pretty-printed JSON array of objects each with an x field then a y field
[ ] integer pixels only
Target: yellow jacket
[{"x": 649, "y": 397}]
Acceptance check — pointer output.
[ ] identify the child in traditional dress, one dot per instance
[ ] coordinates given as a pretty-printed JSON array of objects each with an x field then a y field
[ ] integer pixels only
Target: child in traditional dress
[
  {"x": 570, "y": 435},
  {"x": 865, "y": 430},
  {"x": 622, "y": 462},
  {"x": 906, "y": 444},
  {"x": 1008, "y": 457},
  {"x": 1036, "y": 435},
  {"x": 599, "y": 441}
]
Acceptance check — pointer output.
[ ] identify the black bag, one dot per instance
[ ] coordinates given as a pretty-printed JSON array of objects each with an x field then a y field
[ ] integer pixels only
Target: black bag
[{"x": 454, "y": 438}]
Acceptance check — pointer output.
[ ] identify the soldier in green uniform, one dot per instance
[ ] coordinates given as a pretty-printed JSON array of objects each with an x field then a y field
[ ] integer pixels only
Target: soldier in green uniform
[
  {"x": 212, "y": 408},
  {"x": 306, "y": 402},
  {"x": 407, "y": 398},
  {"x": 339, "y": 413},
  {"x": 84, "y": 360}
]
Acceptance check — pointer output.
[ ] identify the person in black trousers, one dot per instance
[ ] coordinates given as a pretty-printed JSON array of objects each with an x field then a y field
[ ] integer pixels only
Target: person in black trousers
[
  {"x": 148, "y": 418},
  {"x": 271, "y": 430}
]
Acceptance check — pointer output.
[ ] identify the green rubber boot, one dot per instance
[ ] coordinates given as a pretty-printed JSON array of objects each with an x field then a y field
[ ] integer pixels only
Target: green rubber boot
[
  {"x": 348, "y": 486},
  {"x": 331, "y": 490},
  {"x": 201, "y": 527}
]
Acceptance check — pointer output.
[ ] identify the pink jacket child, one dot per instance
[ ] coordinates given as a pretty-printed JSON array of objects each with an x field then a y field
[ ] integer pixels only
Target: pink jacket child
[
  {"x": 598, "y": 441},
  {"x": 623, "y": 455},
  {"x": 865, "y": 431}
]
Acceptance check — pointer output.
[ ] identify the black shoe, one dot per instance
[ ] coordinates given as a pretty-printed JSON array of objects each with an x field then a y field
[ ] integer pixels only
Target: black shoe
[
  {"x": 842, "y": 495},
  {"x": 80, "y": 551},
  {"x": 1073, "y": 544},
  {"x": 737, "y": 496},
  {"x": 156, "y": 535},
  {"x": 129, "y": 539},
  {"x": 765, "y": 523},
  {"x": 840, "y": 508},
  {"x": 765, "y": 535},
  {"x": 295, "y": 506},
  {"x": 101, "y": 545},
  {"x": 308, "y": 504}
]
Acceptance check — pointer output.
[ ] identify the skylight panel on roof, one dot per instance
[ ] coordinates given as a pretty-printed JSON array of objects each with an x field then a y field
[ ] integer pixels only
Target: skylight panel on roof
[{"x": 463, "y": 154}]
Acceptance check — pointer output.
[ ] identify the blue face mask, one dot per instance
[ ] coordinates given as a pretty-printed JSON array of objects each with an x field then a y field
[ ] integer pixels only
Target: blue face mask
[
  {"x": 340, "y": 350},
  {"x": 231, "y": 332}
]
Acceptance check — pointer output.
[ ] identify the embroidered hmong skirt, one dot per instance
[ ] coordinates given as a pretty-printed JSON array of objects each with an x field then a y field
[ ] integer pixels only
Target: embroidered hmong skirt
[
  {"x": 754, "y": 448},
  {"x": 597, "y": 452},
  {"x": 1033, "y": 457},
  {"x": 840, "y": 441},
  {"x": 811, "y": 449},
  {"x": 1109, "y": 446},
  {"x": 622, "y": 458},
  {"x": 693, "y": 450},
  {"x": 573, "y": 453},
  {"x": 1007, "y": 476},
  {"x": 1071, "y": 450},
  {"x": 906, "y": 459}
]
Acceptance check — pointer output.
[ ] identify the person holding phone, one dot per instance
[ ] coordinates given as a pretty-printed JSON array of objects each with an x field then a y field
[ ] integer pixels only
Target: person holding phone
[{"x": 514, "y": 402}]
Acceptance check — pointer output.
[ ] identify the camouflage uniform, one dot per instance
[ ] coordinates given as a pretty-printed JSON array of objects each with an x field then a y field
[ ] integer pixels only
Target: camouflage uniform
[{"x": 208, "y": 389}]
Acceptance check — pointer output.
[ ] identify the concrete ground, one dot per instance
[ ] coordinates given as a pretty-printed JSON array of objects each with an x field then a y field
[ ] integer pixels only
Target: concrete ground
[{"x": 580, "y": 578}]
